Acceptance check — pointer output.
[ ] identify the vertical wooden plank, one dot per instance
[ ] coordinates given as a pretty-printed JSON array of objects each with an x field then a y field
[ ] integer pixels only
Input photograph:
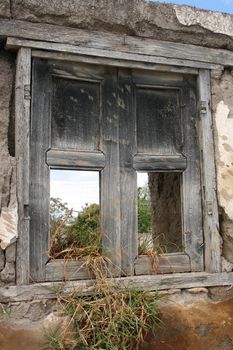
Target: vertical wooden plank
[
  {"x": 39, "y": 170},
  {"x": 191, "y": 186},
  {"x": 128, "y": 176},
  {"x": 210, "y": 208},
  {"x": 110, "y": 176},
  {"x": 22, "y": 121}
]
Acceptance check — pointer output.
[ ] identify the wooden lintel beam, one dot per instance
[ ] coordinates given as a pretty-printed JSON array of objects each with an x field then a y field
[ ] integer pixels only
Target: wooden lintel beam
[{"x": 164, "y": 51}]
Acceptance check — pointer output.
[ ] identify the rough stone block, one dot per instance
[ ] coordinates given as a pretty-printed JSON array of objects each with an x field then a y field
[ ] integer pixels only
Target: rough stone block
[
  {"x": 5, "y": 8},
  {"x": 197, "y": 290},
  {"x": 226, "y": 265},
  {"x": 221, "y": 293},
  {"x": 7, "y": 177},
  {"x": 222, "y": 105},
  {"x": 12, "y": 338},
  {"x": 203, "y": 325},
  {"x": 8, "y": 273},
  {"x": 8, "y": 226},
  {"x": 11, "y": 253}
]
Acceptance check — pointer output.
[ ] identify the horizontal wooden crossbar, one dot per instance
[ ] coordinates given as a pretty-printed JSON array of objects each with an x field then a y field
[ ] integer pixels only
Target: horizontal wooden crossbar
[
  {"x": 113, "y": 46},
  {"x": 164, "y": 263},
  {"x": 48, "y": 290},
  {"x": 158, "y": 57},
  {"x": 69, "y": 270},
  {"x": 59, "y": 159},
  {"x": 106, "y": 61},
  {"x": 159, "y": 163}
]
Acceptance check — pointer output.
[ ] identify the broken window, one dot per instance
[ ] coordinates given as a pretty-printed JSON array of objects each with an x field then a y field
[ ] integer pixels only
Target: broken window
[
  {"x": 160, "y": 212},
  {"x": 121, "y": 124}
]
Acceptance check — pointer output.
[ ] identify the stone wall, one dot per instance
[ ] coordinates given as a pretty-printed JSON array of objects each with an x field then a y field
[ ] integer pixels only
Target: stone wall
[
  {"x": 8, "y": 204},
  {"x": 183, "y": 24},
  {"x": 193, "y": 319},
  {"x": 222, "y": 105}
]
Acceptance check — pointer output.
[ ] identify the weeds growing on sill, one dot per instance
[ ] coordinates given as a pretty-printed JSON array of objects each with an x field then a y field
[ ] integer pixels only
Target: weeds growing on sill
[{"x": 111, "y": 318}]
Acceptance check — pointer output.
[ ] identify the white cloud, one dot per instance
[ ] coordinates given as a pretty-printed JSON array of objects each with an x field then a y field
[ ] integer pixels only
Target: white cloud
[
  {"x": 76, "y": 188},
  {"x": 142, "y": 179}
]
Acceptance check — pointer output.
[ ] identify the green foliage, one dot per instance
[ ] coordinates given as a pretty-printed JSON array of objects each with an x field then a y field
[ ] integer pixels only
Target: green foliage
[
  {"x": 113, "y": 321},
  {"x": 60, "y": 217},
  {"x": 70, "y": 233},
  {"x": 144, "y": 210},
  {"x": 58, "y": 212},
  {"x": 84, "y": 230},
  {"x": 57, "y": 340}
]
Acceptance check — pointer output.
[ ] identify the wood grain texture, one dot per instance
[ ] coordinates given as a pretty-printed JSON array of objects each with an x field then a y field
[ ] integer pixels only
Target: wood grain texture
[
  {"x": 163, "y": 263},
  {"x": 62, "y": 56},
  {"x": 75, "y": 114},
  {"x": 210, "y": 206},
  {"x": 66, "y": 270},
  {"x": 191, "y": 186},
  {"x": 191, "y": 181},
  {"x": 48, "y": 290},
  {"x": 158, "y": 121},
  {"x": 110, "y": 175},
  {"x": 145, "y": 162},
  {"x": 75, "y": 160},
  {"x": 22, "y": 127},
  {"x": 128, "y": 176},
  {"x": 156, "y": 53},
  {"x": 162, "y": 80},
  {"x": 39, "y": 170},
  {"x": 63, "y": 35},
  {"x": 71, "y": 270}
]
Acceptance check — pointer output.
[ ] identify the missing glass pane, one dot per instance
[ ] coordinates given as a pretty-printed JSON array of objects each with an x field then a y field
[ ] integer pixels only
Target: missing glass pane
[
  {"x": 74, "y": 213},
  {"x": 159, "y": 212}
]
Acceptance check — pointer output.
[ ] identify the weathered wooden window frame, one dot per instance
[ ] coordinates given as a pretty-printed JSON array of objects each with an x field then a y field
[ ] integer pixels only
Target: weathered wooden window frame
[
  {"x": 118, "y": 160},
  {"x": 23, "y": 82}
]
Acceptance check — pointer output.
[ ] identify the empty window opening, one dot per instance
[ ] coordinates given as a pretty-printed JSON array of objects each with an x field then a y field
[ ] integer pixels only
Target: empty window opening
[
  {"x": 159, "y": 212},
  {"x": 74, "y": 213}
]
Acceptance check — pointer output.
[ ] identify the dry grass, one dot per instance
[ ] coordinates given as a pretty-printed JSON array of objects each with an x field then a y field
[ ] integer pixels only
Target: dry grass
[{"x": 112, "y": 318}]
